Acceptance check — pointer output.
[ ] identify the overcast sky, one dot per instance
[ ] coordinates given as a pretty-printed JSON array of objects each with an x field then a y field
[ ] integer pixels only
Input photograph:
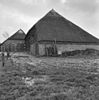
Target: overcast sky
[{"x": 16, "y": 14}]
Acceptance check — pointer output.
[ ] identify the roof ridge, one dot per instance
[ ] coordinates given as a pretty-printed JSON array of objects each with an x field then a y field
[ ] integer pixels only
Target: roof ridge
[
  {"x": 52, "y": 12},
  {"x": 20, "y": 31}
]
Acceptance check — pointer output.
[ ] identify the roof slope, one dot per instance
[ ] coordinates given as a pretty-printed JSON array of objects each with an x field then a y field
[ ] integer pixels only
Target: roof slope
[
  {"x": 19, "y": 35},
  {"x": 53, "y": 26}
]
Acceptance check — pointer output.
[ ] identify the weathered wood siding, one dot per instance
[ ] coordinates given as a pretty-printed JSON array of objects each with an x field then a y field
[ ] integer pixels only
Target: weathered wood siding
[
  {"x": 76, "y": 47},
  {"x": 32, "y": 49},
  {"x": 65, "y": 47},
  {"x": 13, "y": 45},
  {"x": 30, "y": 38}
]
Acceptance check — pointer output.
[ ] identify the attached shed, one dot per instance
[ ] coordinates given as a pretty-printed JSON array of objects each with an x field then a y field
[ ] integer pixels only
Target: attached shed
[
  {"x": 53, "y": 30},
  {"x": 14, "y": 43}
]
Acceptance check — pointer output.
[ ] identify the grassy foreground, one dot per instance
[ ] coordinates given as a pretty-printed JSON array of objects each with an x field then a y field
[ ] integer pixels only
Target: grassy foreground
[{"x": 47, "y": 79}]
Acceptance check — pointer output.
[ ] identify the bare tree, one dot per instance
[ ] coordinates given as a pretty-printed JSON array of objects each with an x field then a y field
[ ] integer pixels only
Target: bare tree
[{"x": 5, "y": 35}]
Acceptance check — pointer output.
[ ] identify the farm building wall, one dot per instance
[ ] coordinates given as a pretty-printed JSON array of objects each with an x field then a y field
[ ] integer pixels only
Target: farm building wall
[
  {"x": 32, "y": 49},
  {"x": 13, "y": 45},
  {"x": 67, "y": 47}
]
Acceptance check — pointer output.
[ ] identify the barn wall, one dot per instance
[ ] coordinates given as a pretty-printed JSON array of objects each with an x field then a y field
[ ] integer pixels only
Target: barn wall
[
  {"x": 32, "y": 49},
  {"x": 41, "y": 49},
  {"x": 66, "y": 47},
  {"x": 75, "y": 47},
  {"x": 11, "y": 43},
  {"x": 14, "y": 41}
]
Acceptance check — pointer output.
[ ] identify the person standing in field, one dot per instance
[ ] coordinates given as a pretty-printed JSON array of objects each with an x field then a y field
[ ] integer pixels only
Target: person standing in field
[
  {"x": 8, "y": 55},
  {"x": 3, "y": 59}
]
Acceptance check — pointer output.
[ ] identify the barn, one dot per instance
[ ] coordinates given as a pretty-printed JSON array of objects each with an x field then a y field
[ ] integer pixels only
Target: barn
[
  {"x": 55, "y": 34},
  {"x": 14, "y": 43}
]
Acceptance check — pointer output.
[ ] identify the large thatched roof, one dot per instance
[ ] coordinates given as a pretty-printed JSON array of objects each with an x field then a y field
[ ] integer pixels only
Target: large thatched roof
[{"x": 53, "y": 26}]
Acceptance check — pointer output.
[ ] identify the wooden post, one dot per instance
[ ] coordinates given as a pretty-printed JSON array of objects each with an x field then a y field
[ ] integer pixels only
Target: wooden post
[
  {"x": 3, "y": 57},
  {"x": 36, "y": 49},
  {"x": 55, "y": 49}
]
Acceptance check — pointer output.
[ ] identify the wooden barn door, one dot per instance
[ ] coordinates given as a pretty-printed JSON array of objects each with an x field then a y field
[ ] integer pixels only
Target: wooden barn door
[{"x": 51, "y": 50}]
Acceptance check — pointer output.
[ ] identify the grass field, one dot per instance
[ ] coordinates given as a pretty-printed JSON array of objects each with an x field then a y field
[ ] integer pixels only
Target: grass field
[{"x": 28, "y": 78}]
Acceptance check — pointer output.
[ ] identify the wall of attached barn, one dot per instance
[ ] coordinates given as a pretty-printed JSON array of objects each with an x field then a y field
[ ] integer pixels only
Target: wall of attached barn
[
  {"x": 34, "y": 49},
  {"x": 66, "y": 47},
  {"x": 30, "y": 38},
  {"x": 13, "y": 45}
]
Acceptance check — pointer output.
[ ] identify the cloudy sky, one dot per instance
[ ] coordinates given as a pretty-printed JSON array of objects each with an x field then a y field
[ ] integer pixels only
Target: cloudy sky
[{"x": 16, "y": 14}]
